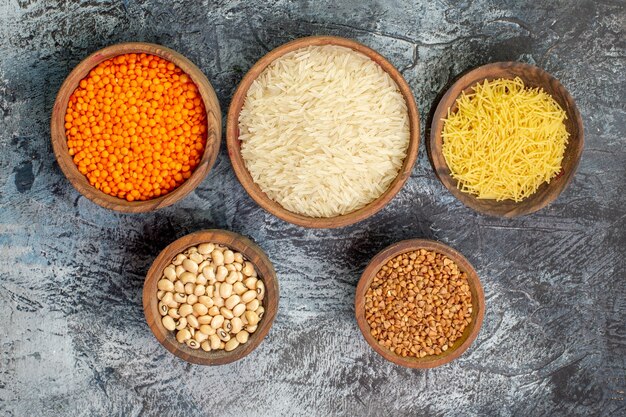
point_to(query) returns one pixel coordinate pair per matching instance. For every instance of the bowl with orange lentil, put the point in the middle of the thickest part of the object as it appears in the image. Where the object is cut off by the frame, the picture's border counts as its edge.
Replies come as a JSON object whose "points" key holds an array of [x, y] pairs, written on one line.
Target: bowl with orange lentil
{"points": [[136, 127], [419, 303]]}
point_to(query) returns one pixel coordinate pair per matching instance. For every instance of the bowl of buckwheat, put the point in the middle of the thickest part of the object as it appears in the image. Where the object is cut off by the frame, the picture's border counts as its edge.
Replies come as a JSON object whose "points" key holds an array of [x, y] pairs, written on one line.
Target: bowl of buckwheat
{"points": [[419, 303]]}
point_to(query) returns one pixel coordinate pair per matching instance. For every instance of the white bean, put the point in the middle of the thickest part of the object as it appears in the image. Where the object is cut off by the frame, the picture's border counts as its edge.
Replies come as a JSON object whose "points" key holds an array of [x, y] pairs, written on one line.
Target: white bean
{"points": [[253, 305], [236, 325], [248, 296], [196, 257], [211, 296], [248, 269], [163, 309], [185, 310], [218, 301], [200, 309], [192, 299], [260, 290], [205, 248], [165, 285], [178, 259], [188, 277], [168, 323], [242, 336], [192, 343], [215, 341], [229, 257], [173, 304], [201, 279], [193, 321], [223, 335], [209, 272], [173, 313], [168, 297], [218, 257], [227, 326], [226, 290], [217, 321], [250, 283], [231, 345], [252, 318], [228, 314], [232, 277], [190, 266], [200, 337], [170, 272], [206, 329], [232, 301], [183, 335], [239, 309], [181, 323], [239, 288], [207, 301], [210, 290], [221, 273], [199, 290]]}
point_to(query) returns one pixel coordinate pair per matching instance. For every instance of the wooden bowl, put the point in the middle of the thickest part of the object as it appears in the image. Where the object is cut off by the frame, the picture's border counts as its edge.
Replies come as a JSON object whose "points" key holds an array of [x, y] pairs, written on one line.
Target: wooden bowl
{"points": [[59, 140], [478, 303], [250, 251], [234, 144], [532, 77]]}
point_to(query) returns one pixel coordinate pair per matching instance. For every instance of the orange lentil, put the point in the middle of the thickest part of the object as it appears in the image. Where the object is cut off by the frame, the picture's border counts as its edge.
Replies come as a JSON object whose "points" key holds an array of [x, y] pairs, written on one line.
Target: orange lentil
{"points": [[136, 126]]}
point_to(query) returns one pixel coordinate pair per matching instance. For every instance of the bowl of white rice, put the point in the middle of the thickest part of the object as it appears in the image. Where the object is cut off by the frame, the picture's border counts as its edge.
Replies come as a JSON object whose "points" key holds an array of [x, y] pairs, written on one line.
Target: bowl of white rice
{"points": [[323, 132]]}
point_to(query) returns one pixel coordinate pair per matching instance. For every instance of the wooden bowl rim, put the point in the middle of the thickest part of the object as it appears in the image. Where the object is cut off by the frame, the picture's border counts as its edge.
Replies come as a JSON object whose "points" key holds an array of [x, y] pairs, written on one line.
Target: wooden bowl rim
{"points": [[265, 270], [478, 301], [448, 100], [234, 149], [59, 139]]}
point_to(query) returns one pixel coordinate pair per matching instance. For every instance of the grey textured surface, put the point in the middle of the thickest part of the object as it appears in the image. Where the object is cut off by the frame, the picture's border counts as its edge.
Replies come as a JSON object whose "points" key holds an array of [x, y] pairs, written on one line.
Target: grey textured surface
{"points": [[73, 340]]}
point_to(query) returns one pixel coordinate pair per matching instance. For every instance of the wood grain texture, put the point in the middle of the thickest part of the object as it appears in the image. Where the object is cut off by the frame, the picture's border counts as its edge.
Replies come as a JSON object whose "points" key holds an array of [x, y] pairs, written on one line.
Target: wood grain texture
{"points": [[265, 270], [478, 303], [59, 140], [533, 77], [234, 144]]}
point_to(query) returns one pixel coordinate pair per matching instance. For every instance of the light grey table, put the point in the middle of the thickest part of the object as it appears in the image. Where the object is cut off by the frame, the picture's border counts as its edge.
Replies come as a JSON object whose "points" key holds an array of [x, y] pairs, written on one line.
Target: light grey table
{"points": [[73, 340]]}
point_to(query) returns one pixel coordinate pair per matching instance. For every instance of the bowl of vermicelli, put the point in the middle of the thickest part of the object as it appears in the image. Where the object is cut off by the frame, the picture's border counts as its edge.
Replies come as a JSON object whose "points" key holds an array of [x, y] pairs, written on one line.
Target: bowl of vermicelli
{"points": [[506, 139]]}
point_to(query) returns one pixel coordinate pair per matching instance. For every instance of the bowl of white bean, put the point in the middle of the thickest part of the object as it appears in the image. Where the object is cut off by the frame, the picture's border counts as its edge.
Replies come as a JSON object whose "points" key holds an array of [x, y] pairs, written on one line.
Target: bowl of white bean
{"points": [[211, 297]]}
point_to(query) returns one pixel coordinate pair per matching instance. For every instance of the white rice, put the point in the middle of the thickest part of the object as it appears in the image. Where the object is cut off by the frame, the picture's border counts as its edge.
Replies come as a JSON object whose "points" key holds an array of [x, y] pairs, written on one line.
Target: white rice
{"points": [[324, 131]]}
